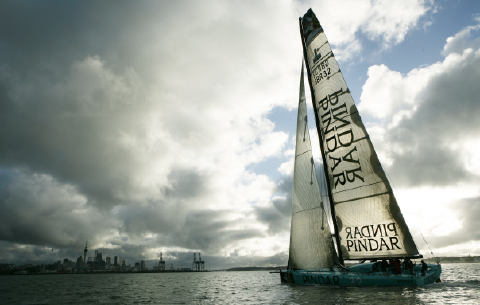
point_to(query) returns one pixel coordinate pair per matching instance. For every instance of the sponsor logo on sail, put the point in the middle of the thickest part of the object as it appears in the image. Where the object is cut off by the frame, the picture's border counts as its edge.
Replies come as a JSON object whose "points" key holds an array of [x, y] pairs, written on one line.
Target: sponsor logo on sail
{"points": [[318, 55], [344, 162], [372, 238]]}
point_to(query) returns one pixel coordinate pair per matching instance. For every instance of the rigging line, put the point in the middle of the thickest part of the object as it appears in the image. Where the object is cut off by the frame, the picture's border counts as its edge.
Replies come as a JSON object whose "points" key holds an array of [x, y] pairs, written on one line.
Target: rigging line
{"points": [[426, 243], [390, 180], [388, 176]]}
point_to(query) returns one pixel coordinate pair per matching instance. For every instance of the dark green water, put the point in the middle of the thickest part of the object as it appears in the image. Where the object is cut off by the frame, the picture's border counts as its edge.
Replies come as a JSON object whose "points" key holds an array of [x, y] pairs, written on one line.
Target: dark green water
{"points": [[460, 285]]}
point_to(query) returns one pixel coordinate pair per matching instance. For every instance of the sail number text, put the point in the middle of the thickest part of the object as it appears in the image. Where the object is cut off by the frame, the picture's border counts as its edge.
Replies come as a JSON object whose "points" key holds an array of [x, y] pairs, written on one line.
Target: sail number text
{"points": [[321, 71]]}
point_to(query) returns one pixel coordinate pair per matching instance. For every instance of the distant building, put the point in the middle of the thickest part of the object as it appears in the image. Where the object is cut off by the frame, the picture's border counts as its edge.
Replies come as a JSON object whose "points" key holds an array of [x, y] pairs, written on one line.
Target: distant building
{"points": [[58, 265], [85, 253], [79, 263], [98, 261], [161, 263], [109, 260], [98, 256], [143, 265], [116, 261]]}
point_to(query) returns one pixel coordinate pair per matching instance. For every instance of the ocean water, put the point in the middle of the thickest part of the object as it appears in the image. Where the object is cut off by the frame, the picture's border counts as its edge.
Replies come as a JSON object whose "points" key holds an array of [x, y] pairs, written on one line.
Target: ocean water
{"points": [[460, 285]]}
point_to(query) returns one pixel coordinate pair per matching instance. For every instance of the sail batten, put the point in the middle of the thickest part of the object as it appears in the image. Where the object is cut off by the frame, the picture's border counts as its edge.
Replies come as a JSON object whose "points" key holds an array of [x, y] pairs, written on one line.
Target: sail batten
{"points": [[370, 196], [367, 218]]}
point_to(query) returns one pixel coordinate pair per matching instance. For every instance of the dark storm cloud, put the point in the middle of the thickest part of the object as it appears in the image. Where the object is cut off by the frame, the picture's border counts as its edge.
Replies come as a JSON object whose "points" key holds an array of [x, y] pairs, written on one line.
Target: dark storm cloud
{"points": [[447, 115], [63, 133], [210, 230], [22, 254], [63, 107], [185, 183], [217, 262], [39, 34], [177, 221], [39, 211], [235, 260], [277, 215], [192, 229]]}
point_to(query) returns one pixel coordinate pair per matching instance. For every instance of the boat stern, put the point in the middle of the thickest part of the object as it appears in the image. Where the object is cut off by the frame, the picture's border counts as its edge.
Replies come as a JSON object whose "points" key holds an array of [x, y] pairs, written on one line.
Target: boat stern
{"points": [[432, 275]]}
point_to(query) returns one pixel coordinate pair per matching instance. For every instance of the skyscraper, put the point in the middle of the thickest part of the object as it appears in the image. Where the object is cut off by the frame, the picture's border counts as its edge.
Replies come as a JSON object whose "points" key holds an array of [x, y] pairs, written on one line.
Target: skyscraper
{"points": [[79, 263], [85, 252]]}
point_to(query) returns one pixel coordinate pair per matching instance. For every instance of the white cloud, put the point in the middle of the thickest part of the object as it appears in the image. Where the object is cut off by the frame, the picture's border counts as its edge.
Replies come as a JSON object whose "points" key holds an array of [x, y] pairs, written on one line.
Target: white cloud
{"points": [[385, 21], [461, 41], [391, 20], [427, 138]]}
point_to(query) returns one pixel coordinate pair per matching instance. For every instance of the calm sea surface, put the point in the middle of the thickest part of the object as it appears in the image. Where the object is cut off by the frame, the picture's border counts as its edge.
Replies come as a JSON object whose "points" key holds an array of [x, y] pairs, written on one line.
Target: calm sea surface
{"points": [[460, 285]]}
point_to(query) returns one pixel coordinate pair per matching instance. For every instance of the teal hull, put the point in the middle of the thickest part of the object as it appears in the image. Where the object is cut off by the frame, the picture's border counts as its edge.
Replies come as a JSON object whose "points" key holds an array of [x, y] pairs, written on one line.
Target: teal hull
{"points": [[343, 277]]}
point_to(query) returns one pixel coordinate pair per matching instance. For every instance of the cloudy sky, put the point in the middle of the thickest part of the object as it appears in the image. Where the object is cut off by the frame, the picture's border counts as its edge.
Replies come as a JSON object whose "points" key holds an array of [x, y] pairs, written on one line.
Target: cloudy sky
{"points": [[168, 126]]}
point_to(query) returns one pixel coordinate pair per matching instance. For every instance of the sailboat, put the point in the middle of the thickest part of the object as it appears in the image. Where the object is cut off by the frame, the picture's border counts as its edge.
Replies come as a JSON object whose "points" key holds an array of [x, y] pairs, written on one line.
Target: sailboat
{"points": [[358, 219]]}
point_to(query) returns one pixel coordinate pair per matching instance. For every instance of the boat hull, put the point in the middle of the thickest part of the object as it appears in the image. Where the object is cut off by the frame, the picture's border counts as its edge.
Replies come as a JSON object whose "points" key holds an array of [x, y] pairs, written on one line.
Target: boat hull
{"points": [[345, 278]]}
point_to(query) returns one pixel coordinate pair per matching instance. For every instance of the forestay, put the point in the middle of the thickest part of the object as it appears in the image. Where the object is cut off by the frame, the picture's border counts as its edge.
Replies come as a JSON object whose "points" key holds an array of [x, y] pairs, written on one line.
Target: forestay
{"points": [[311, 244], [369, 220]]}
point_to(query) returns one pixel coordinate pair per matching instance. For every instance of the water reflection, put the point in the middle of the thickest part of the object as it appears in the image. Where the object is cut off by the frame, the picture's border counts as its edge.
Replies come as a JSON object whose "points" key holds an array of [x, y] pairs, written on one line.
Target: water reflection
{"points": [[460, 285]]}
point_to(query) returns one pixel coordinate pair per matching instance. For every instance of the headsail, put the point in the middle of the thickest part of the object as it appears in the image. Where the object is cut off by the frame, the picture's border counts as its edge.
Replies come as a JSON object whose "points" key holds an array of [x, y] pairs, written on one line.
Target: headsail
{"points": [[311, 244], [370, 224]]}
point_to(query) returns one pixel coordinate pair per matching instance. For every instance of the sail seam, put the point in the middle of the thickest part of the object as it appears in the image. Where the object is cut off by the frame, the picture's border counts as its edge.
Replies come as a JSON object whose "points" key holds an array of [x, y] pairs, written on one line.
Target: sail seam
{"points": [[302, 153], [358, 198], [339, 71], [307, 210], [358, 187]]}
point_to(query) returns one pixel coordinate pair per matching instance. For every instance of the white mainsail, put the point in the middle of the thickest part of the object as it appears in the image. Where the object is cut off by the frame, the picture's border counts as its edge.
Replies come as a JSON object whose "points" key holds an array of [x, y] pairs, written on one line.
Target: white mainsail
{"points": [[370, 224], [311, 244]]}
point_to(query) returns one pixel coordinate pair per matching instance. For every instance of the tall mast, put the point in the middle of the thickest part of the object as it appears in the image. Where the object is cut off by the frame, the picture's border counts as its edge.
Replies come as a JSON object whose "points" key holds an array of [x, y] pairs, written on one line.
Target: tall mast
{"points": [[319, 132]]}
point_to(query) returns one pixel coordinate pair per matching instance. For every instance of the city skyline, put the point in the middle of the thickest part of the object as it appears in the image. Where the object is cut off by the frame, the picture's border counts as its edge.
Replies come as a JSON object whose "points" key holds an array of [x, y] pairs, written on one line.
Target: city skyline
{"points": [[97, 262], [169, 126]]}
